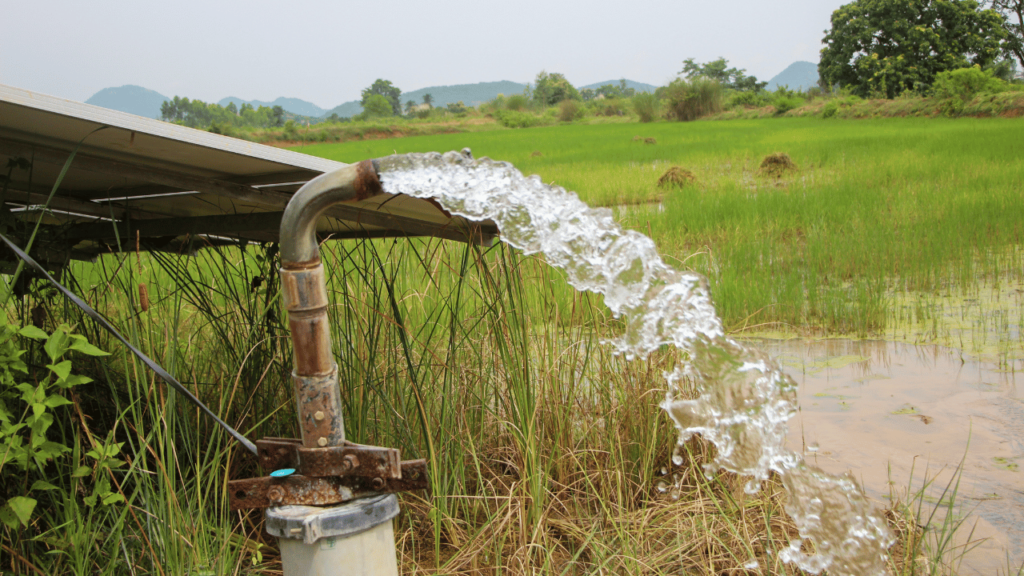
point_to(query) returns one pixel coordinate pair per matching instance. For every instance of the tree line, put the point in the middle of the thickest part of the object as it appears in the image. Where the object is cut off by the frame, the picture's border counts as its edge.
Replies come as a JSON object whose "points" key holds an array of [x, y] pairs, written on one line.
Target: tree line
{"points": [[199, 114]]}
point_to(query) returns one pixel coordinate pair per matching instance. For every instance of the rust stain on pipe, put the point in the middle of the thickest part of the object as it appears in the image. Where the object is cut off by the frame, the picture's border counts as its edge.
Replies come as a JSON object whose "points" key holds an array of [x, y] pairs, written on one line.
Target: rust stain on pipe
{"points": [[367, 182]]}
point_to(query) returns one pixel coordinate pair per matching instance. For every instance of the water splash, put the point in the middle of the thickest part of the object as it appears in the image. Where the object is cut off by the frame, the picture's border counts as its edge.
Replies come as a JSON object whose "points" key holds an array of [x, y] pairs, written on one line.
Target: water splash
{"points": [[744, 400]]}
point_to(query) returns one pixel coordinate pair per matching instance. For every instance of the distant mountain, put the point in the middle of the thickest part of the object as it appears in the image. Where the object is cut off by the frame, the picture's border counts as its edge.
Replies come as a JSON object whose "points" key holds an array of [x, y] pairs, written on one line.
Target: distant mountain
{"points": [[468, 94], [293, 105], [347, 110], [798, 76], [638, 86], [131, 99]]}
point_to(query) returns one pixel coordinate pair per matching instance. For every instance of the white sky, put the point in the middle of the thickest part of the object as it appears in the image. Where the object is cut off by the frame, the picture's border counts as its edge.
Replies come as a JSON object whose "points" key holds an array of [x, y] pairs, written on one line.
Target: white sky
{"points": [[326, 52]]}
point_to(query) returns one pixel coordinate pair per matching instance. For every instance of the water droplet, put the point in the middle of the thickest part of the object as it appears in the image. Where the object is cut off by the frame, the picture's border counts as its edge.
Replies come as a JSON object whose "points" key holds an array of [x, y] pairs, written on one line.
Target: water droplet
{"points": [[664, 471], [662, 487], [813, 447]]}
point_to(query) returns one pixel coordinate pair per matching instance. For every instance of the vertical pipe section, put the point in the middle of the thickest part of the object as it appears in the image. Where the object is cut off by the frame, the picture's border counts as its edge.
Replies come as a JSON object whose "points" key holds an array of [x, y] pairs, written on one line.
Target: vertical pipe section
{"points": [[304, 289]]}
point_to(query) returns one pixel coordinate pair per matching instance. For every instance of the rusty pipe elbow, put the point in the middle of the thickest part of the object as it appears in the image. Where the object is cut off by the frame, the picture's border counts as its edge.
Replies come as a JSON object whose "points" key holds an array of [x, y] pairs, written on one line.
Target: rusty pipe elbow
{"points": [[299, 248]]}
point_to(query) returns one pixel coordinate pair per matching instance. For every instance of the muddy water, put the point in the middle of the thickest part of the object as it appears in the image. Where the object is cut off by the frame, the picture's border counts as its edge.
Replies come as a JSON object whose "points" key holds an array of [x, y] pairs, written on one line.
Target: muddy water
{"points": [[893, 413]]}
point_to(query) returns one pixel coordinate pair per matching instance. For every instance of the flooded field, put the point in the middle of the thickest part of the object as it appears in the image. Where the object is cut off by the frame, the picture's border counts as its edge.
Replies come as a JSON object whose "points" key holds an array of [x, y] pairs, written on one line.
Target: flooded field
{"points": [[897, 415]]}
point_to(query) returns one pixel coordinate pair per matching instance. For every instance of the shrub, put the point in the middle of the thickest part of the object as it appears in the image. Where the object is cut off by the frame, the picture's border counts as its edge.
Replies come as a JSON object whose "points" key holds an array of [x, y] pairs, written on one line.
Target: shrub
{"points": [[290, 131], [516, 119], [750, 99], [830, 109], [694, 98], [646, 106], [516, 102], [498, 103], [784, 104], [457, 108], [966, 82], [958, 87], [569, 110]]}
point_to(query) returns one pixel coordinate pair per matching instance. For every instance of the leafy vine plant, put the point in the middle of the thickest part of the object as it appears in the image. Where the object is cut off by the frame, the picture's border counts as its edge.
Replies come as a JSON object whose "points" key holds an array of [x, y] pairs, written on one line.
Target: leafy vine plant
{"points": [[27, 412]]}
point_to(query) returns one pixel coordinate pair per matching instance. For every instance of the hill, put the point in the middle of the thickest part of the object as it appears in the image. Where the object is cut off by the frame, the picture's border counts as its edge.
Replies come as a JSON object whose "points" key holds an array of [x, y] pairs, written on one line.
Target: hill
{"points": [[293, 105], [638, 86], [798, 76], [468, 94], [131, 99]]}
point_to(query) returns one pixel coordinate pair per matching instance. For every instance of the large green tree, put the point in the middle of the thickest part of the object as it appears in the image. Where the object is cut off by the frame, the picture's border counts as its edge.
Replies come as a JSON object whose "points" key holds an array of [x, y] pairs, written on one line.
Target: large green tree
{"points": [[1013, 11], [386, 89], [550, 89], [884, 47], [375, 105]]}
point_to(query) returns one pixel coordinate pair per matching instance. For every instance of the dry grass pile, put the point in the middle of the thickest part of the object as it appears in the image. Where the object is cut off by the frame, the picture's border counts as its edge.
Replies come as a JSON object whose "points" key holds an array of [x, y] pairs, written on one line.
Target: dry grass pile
{"points": [[650, 141], [676, 177], [777, 165]]}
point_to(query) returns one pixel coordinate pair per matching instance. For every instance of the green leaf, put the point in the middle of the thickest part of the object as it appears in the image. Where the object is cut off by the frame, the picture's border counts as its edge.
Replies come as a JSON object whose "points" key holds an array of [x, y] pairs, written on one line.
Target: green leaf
{"points": [[55, 401], [61, 369], [112, 498], [81, 472], [81, 345], [51, 450], [33, 332], [74, 380], [56, 345], [8, 517], [22, 506], [43, 485]]}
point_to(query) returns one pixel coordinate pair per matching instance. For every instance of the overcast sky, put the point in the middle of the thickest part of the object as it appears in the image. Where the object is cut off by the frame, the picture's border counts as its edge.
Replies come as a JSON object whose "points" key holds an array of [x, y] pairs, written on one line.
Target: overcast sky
{"points": [[326, 52]]}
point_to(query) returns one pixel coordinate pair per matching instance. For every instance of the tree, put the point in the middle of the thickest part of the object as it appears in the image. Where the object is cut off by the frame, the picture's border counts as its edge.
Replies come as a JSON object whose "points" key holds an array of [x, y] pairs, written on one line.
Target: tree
{"points": [[731, 78], [428, 100], [884, 47], [278, 114], [232, 108], [376, 105], [553, 88], [386, 89], [409, 105], [1013, 12]]}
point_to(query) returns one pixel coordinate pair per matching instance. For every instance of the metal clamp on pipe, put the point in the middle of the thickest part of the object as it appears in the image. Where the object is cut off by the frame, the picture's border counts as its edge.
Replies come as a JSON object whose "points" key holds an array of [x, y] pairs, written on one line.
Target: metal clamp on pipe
{"points": [[323, 469]]}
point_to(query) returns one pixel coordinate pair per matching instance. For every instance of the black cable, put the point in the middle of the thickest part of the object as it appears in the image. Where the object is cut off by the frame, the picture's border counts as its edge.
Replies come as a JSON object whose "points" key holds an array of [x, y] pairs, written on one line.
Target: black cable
{"points": [[145, 359]]}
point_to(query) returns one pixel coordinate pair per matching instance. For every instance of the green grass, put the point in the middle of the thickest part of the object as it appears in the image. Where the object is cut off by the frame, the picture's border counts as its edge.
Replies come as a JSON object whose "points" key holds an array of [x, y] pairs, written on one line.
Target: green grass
{"points": [[877, 208]]}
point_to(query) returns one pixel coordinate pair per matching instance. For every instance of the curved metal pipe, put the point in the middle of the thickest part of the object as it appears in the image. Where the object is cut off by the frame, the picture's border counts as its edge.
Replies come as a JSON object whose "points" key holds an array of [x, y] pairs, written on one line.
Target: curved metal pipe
{"points": [[304, 289], [352, 183]]}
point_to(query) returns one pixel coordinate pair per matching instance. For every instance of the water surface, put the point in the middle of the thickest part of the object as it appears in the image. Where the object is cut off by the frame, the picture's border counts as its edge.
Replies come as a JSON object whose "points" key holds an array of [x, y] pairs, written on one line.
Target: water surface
{"points": [[884, 410]]}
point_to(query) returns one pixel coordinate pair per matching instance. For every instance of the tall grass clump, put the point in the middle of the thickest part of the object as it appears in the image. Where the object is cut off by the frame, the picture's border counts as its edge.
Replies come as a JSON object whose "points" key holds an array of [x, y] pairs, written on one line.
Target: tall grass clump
{"points": [[646, 106], [694, 98], [569, 110], [546, 452]]}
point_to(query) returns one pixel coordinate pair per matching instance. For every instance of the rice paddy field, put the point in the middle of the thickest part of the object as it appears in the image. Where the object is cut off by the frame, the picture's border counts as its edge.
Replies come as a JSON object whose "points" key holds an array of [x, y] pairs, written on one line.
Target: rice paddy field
{"points": [[890, 227], [546, 453]]}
